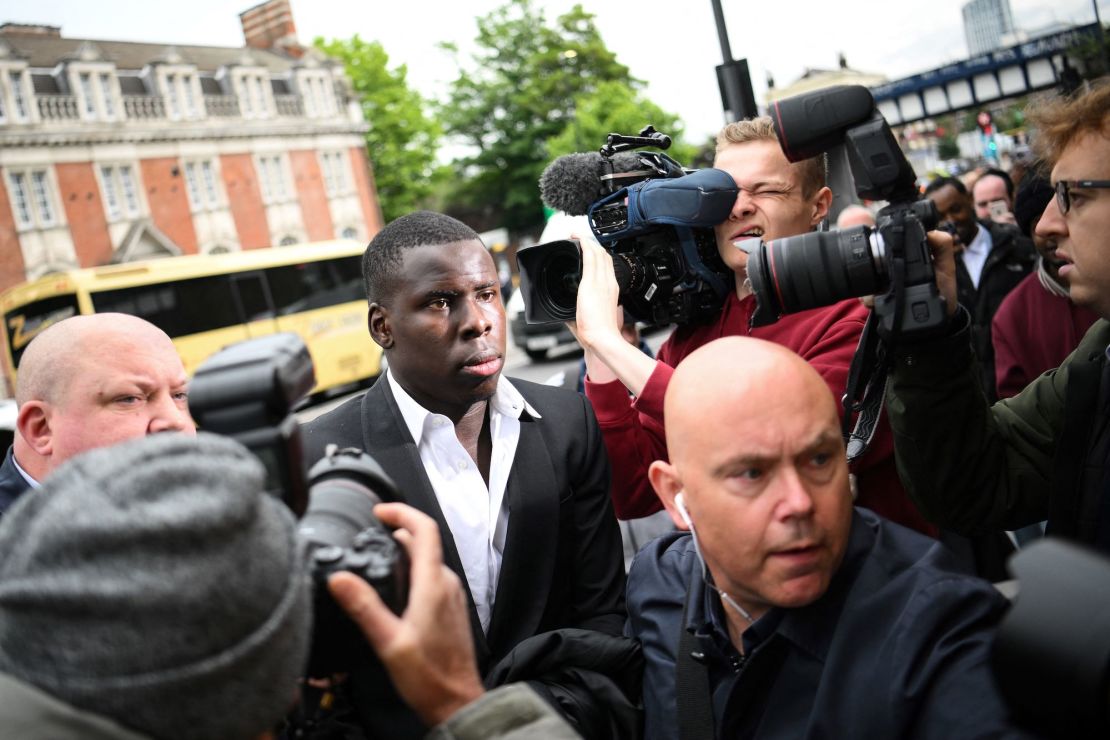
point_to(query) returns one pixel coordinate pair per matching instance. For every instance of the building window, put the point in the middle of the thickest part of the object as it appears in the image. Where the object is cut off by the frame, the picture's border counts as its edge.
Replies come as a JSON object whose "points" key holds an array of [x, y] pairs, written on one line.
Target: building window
{"points": [[171, 96], [334, 165], [349, 233], [32, 198], [190, 98], [252, 95], [287, 241], [87, 94], [120, 195], [106, 95], [200, 181], [19, 112], [271, 175]]}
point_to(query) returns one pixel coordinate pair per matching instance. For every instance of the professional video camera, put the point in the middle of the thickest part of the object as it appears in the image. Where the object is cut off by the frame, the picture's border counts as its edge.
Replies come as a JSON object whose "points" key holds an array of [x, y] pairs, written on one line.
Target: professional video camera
{"points": [[655, 220], [891, 261], [247, 392]]}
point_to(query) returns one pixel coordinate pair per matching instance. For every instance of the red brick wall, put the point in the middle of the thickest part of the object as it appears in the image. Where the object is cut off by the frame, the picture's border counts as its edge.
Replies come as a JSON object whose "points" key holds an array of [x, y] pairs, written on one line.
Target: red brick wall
{"points": [[245, 200], [12, 268], [312, 196], [164, 180], [367, 193], [85, 212]]}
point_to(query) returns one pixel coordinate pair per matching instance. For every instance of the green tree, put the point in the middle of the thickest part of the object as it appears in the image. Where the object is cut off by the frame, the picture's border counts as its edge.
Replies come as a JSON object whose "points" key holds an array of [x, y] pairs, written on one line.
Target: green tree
{"points": [[615, 107], [403, 135], [520, 91]]}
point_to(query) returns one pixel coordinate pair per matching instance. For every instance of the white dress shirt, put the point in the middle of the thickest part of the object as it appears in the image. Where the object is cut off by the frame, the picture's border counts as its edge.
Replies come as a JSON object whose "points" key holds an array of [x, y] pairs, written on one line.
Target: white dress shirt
{"points": [[975, 254], [477, 515]]}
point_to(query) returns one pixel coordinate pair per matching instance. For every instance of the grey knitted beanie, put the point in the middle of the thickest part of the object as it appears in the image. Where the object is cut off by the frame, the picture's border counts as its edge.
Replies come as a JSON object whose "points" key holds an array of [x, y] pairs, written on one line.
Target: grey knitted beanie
{"points": [[154, 583]]}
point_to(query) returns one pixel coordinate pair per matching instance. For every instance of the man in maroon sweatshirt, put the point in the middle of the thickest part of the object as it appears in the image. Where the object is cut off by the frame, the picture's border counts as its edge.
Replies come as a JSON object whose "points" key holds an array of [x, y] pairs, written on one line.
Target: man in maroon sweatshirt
{"points": [[776, 199]]}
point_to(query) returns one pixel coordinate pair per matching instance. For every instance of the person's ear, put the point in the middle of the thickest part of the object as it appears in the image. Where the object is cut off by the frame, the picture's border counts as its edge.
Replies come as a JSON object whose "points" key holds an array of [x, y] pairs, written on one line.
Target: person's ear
{"points": [[664, 479], [33, 425], [381, 330], [821, 204]]}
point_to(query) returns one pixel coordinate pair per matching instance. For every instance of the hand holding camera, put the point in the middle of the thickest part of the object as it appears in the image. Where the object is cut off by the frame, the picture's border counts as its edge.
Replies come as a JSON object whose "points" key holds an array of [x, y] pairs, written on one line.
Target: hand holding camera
{"points": [[427, 651]]}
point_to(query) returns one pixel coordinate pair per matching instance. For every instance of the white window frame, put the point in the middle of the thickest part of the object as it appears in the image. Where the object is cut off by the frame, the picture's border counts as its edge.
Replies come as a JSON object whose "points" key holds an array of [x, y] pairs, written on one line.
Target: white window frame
{"points": [[316, 93], [252, 86], [16, 82], [97, 91], [33, 196], [120, 201], [273, 178], [336, 171], [202, 184]]}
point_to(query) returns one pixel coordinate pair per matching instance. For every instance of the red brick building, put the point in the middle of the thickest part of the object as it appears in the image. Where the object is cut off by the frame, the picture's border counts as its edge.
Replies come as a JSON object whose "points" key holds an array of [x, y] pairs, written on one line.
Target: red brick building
{"points": [[113, 151]]}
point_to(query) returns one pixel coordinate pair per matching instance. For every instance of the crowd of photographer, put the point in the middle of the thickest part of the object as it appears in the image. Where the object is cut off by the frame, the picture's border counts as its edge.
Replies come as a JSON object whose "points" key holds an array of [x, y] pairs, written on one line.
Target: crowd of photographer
{"points": [[825, 575]]}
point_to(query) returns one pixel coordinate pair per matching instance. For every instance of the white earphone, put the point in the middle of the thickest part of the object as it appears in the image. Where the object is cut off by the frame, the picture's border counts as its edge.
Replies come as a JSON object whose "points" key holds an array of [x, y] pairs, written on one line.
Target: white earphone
{"points": [[681, 506]]}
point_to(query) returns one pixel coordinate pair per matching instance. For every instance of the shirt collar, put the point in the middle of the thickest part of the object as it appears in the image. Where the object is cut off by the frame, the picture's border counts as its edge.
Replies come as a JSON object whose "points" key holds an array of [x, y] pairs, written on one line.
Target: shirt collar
{"points": [[982, 242], [26, 476], [506, 401]]}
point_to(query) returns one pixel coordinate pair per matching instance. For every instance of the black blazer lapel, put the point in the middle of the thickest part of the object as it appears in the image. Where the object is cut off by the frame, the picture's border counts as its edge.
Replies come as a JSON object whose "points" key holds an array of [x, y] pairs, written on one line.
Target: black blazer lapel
{"points": [[387, 439], [527, 565]]}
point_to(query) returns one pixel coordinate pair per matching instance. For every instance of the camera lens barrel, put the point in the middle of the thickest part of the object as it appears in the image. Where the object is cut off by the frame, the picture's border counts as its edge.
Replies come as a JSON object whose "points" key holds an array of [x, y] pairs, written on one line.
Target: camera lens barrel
{"points": [[815, 269]]}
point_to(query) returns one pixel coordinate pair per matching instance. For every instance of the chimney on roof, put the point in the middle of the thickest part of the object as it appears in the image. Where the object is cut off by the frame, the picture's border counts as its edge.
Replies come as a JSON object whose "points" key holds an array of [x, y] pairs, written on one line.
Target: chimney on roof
{"points": [[30, 29], [270, 26]]}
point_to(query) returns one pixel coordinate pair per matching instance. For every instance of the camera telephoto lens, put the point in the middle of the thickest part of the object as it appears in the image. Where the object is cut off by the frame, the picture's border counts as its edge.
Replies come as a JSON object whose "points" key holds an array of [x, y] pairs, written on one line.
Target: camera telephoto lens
{"points": [[812, 270]]}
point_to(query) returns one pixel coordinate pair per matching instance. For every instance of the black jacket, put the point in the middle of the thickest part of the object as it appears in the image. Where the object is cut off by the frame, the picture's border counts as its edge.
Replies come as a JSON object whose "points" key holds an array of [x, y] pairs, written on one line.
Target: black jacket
{"points": [[12, 484], [563, 565], [898, 646], [1011, 258]]}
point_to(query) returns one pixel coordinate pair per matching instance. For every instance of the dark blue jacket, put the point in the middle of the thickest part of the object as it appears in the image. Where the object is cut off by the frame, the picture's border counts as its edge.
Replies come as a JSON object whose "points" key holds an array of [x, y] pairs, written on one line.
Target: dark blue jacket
{"points": [[898, 647], [12, 484]]}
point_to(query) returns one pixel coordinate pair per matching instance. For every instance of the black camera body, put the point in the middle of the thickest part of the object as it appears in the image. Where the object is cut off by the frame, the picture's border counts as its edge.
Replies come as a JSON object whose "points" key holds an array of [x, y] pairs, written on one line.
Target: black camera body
{"points": [[891, 261], [247, 392], [651, 216]]}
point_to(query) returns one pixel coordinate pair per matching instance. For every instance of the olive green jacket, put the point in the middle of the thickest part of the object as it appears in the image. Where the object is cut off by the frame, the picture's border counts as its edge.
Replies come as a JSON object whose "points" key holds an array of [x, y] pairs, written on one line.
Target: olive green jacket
{"points": [[975, 468]]}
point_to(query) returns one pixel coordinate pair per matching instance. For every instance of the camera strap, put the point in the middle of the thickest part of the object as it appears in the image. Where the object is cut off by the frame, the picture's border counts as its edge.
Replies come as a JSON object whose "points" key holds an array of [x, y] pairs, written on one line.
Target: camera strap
{"points": [[863, 396]]}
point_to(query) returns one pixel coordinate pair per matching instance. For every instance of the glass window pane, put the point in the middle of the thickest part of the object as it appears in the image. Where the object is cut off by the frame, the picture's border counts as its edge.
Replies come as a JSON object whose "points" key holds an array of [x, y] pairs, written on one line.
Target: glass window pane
{"points": [[111, 200], [21, 198], [210, 184], [106, 94], [193, 185], [17, 95], [130, 197], [42, 198], [87, 93]]}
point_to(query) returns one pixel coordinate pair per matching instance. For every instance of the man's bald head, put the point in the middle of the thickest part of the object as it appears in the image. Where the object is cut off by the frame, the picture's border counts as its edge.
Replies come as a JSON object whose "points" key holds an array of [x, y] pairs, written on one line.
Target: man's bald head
{"points": [[757, 459], [92, 381], [723, 380], [59, 352]]}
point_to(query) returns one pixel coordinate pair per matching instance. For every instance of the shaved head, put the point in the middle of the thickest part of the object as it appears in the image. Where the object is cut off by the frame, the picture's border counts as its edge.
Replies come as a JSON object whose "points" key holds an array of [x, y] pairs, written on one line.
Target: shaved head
{"points": [[93, 381], [758, 461], [722, 379], [53, 358]]}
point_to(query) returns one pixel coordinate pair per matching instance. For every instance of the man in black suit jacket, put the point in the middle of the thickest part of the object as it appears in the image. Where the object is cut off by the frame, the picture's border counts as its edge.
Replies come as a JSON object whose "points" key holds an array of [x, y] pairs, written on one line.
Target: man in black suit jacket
{"points": [[515, 474]]}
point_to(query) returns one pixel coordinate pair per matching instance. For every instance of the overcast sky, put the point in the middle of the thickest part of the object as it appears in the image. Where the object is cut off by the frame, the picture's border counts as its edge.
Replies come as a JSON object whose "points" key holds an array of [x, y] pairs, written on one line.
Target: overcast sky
{"points": [[671, 44]]}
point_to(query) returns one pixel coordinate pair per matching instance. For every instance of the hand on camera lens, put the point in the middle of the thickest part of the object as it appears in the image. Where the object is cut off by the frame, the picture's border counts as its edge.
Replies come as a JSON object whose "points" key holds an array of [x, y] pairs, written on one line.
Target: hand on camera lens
{"points": [[599, 316], [944, 264], [428, 651]]}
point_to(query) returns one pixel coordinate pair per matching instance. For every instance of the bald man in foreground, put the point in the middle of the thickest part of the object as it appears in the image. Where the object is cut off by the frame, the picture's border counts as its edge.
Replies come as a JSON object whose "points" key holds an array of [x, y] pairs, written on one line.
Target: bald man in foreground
{"points": [[790, 613], [91, 381]]}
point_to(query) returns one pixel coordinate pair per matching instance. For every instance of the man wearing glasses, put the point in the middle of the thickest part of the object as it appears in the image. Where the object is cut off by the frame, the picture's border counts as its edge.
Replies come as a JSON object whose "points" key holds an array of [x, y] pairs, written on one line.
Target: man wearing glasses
{"points": [[1045, 453]]}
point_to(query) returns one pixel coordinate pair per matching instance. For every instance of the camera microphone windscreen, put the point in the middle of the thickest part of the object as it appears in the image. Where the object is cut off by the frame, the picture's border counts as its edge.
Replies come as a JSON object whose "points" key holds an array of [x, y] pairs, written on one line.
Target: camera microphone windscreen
{"points": [[572, 183]]}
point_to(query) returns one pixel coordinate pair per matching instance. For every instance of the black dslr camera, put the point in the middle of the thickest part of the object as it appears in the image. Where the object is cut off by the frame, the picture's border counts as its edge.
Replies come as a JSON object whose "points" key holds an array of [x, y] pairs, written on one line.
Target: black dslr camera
{"points": [[653, 218], [247, 392], [891, 261]]}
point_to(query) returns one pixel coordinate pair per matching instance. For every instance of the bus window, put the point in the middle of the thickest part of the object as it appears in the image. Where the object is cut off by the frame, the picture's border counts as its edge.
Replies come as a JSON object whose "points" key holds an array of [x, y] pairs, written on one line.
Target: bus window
{"points": [[253, 297], [26, 322], [179, 309], [312, 285]]}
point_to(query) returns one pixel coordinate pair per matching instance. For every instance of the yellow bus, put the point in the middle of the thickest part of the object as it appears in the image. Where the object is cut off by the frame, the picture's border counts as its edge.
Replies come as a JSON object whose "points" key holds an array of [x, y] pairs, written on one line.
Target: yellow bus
{"points": [[206, 302]]}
